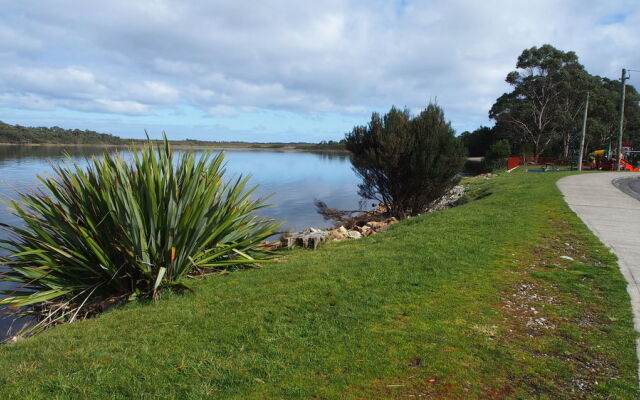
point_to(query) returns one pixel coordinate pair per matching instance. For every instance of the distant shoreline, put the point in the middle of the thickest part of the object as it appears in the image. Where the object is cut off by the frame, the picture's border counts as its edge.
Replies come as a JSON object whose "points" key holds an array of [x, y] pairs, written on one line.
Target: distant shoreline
{"points": [[180, 145], [16, 135]]}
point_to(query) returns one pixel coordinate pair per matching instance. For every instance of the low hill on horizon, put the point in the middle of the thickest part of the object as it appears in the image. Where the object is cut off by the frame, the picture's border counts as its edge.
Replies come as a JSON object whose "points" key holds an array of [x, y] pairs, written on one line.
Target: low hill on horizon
{"points": [[18, 134]]}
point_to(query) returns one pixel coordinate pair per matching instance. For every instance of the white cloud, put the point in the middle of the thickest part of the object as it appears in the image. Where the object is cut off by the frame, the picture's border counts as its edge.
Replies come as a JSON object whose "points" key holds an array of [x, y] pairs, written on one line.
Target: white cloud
{"points": [[222, 111], [119, 107], [63, 82], [151, 92], [14, 40], [226, 58]]}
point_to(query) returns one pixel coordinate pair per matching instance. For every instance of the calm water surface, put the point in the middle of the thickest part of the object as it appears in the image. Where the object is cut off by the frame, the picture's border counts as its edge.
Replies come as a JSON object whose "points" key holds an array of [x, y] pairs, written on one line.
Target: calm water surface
{"points": [[294, 179]]}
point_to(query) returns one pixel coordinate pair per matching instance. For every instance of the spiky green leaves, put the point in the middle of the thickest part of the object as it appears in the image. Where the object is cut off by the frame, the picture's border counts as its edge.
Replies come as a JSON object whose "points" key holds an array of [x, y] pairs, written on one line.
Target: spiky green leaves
{"points": [[123, 227]]}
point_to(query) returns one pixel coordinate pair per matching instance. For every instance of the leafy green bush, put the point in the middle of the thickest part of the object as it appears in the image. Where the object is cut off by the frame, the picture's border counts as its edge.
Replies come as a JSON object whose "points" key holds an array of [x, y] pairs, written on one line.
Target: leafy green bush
{"points": [[496, 157], [121, 229], [406, 163]]}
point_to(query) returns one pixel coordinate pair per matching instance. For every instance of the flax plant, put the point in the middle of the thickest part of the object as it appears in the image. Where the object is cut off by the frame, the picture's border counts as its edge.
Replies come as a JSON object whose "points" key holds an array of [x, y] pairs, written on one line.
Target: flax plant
{"points": [[120, 229]]}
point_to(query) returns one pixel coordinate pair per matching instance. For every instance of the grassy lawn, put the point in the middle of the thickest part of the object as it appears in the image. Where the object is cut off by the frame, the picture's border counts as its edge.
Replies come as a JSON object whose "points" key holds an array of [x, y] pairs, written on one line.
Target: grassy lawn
{"points": [[471, 302]]}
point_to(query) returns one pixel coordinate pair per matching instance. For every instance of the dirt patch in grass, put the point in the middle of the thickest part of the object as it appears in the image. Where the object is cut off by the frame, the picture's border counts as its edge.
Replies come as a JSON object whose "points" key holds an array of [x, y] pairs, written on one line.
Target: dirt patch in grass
{"points": [[554, 325], [418, 387]]}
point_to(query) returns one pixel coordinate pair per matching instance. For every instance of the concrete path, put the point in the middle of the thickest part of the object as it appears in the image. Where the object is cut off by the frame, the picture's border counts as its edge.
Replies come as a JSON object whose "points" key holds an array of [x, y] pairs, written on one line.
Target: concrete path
{"points": [[614, 217]]}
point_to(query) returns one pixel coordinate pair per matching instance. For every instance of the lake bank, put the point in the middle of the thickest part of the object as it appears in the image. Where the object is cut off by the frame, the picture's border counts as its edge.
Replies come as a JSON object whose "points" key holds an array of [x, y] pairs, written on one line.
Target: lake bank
{"points": [[470, 302]]}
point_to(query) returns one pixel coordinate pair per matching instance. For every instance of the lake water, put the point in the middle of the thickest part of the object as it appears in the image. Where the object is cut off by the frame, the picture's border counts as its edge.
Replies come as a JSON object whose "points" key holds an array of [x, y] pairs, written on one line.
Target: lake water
{"points": [[295, 180]]}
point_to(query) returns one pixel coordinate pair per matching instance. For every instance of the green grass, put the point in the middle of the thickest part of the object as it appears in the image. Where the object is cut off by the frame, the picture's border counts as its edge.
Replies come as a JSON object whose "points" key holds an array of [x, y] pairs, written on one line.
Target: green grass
{"points": [[440, 306]]}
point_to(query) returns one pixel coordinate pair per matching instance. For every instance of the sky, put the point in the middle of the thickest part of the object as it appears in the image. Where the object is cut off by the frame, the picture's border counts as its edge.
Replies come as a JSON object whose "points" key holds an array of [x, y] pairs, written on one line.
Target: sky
{"points": [[284, 70]]}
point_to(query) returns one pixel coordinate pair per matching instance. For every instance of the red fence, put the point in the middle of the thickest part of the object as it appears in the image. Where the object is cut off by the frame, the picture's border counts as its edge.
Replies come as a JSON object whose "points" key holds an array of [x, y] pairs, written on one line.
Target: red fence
{"points": [[513, 162]]}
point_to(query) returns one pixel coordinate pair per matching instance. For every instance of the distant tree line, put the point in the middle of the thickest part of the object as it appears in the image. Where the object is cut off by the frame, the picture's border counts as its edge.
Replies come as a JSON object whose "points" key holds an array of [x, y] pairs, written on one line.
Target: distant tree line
{"points": [[41, 135], [543, 113], [331, 145], [17, 134]]}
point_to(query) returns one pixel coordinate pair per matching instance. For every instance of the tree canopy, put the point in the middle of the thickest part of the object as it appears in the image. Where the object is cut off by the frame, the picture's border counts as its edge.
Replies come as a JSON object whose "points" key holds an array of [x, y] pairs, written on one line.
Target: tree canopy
{"points": [[544, 109], [478, 141]]}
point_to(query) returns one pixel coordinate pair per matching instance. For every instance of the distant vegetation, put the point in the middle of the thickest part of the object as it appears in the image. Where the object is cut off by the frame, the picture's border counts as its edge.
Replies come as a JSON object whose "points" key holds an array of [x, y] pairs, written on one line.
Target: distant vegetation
{"points": [[544, 110], [41, 135], [331, 145], [17, 134], [542, 114], [324, 145]]}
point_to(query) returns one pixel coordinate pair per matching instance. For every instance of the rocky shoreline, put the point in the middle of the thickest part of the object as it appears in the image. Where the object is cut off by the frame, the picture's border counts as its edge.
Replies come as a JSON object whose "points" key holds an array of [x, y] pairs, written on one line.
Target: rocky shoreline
{"points": [[366, 225]]}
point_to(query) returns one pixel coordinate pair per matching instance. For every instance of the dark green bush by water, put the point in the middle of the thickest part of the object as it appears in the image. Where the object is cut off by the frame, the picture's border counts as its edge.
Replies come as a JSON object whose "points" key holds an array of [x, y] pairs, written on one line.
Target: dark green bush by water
{"points": [[119, 230], [406, 162]]}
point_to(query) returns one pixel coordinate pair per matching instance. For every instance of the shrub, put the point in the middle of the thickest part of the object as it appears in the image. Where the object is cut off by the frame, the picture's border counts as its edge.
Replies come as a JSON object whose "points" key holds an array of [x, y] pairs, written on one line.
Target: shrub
{"points": [[406, 163], [123, 229], [478, 142], [497, 155]]}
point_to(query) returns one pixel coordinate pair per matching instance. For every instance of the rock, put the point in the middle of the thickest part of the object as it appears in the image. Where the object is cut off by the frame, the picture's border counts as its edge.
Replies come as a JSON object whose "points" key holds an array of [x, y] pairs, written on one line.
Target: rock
{"points": [[288, 241], [314, 230], [365, 230], [315, 238], [354, 235], [449, 199], [375, 225], [566, 258], [342, 230], [305, 239], [336, 236], [13, 339], [488, 175]]}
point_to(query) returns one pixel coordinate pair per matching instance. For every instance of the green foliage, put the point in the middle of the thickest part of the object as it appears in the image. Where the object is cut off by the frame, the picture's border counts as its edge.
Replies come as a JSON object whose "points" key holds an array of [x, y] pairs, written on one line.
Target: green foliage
{"points": [[498, 150], [123, 228], [497, 155], [544, 109], [604, 114], [405, 162], [478, 141], [546, 97], [329, 145], [32, 135]]}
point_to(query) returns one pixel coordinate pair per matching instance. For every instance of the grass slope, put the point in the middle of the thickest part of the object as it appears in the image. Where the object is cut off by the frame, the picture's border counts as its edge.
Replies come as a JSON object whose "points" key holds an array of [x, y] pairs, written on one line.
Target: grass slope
{"points": [[472, 302]]}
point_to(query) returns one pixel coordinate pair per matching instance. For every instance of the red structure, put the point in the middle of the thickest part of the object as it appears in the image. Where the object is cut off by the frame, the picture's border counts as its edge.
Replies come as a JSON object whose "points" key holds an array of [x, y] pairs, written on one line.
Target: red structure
{"points": [[512, 162], [601, 163]]}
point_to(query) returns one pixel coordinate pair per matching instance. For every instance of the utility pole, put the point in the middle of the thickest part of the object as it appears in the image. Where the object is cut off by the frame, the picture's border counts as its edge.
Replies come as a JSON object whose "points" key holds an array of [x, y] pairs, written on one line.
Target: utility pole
{"points": [[584, 132], [623, 78]]}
